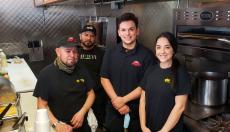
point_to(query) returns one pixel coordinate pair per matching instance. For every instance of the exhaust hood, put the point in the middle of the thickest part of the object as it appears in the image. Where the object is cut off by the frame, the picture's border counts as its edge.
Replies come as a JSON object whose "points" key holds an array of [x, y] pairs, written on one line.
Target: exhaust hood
{"points": [[46, 2]]}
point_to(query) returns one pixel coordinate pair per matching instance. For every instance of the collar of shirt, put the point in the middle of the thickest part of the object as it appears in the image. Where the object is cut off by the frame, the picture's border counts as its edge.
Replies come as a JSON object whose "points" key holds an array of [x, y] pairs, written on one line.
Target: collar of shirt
{"points": [[126, 51]]}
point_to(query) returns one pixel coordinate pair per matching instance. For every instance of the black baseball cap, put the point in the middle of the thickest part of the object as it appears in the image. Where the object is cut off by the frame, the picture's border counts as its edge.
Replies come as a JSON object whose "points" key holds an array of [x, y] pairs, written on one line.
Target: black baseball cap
{"points": [[90, 28], [67, 41]]}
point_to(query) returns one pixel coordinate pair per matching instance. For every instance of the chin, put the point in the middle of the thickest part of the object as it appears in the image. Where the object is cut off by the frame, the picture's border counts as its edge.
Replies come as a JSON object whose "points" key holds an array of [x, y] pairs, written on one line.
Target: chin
{"points": [[163, 60]]}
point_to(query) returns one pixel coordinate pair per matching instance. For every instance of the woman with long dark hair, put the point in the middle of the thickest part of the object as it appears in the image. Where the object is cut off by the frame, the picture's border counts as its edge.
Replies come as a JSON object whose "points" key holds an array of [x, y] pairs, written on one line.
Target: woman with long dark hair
{"points": [[165, 89]]}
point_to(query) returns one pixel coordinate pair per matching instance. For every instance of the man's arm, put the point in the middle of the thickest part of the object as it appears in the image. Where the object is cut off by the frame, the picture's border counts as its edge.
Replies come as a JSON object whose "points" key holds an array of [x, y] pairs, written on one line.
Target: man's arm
{"points": [[118, 102], [107, 85], [60, 127], [78, 118]]}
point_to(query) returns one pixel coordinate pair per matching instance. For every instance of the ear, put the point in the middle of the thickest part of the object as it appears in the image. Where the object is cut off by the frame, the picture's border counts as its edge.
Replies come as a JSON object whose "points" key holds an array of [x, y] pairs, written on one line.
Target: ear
{"points": [[57, 50], [138, 31], [80, 36], [118, 32]]}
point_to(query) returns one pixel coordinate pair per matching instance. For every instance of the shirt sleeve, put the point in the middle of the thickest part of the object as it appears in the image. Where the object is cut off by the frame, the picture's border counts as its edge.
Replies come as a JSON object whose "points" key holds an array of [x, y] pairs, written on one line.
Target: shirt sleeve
{"points": [[41, 88], [145, 78], [184, 82], [105, 65]]}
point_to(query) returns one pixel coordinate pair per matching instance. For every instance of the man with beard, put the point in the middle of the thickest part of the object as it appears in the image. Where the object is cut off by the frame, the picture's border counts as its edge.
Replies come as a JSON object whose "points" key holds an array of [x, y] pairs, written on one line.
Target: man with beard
{"points": [[91, 56], [64, 88]]}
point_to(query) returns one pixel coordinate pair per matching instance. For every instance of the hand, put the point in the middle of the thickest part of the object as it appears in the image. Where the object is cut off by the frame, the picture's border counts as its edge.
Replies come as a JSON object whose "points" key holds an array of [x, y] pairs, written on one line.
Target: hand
{"points": [[124, 110], [78, 119], [118, 102], [146, 129], [62, 127]]}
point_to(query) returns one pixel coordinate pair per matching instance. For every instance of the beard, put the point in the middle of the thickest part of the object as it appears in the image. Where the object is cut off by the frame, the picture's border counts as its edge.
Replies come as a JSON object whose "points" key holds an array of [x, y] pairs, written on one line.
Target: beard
{"points": [[88, 44]]}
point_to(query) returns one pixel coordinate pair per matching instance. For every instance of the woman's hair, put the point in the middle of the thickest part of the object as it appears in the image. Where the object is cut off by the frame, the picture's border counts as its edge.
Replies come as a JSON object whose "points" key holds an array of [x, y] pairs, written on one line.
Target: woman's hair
{"points": [[175, 63]]}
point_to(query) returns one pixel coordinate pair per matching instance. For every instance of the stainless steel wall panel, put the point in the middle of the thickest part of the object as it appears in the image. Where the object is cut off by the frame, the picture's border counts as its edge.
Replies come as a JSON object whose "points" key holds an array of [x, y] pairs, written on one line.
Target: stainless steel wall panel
{"points": [[154, 18], [21, 21]]}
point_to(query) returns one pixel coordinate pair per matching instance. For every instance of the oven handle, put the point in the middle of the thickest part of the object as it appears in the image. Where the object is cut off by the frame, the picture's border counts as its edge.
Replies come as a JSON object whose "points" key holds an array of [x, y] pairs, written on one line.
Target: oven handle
{"points": [[204, 37]]}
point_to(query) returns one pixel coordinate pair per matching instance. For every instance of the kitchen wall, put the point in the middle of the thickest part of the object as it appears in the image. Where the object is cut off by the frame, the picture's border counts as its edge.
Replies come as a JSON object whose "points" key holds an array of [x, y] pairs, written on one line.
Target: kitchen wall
{"points": [[154, 18], [21, 21]]}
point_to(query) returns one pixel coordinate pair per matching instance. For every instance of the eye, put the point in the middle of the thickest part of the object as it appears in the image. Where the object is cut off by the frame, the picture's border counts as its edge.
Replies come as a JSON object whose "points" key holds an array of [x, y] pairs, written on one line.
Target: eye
{"points": [[158, 47], [86, 34], [68, 51], [122, 30], [168, 47], [131, 29]]}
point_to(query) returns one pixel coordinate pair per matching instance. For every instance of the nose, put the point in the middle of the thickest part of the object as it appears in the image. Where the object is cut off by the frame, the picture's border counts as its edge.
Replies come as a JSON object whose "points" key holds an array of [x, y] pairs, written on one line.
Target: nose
{"points": [[162, 50], [127, 32]]}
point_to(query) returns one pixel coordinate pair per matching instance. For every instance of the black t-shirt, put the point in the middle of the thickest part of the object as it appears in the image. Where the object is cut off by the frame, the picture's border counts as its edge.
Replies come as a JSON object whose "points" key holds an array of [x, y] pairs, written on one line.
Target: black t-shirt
{"points": [[126, 69], [65, 93], [160, 95], [92, 59]]}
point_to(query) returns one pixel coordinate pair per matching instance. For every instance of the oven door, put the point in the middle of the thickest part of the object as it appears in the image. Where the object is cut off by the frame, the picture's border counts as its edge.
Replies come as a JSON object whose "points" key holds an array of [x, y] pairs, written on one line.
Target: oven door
{"points": [[204, 41]]}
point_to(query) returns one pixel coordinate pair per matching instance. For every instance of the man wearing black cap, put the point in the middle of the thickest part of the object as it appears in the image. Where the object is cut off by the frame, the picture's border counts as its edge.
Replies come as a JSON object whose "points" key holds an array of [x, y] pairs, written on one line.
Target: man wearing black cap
{"points": [[64, 88], [91, 56]]}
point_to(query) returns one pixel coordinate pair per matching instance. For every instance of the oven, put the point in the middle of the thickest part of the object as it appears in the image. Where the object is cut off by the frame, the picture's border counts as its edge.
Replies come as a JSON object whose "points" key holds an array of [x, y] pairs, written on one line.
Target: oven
{"points": [[204, 33], [203, 36]]}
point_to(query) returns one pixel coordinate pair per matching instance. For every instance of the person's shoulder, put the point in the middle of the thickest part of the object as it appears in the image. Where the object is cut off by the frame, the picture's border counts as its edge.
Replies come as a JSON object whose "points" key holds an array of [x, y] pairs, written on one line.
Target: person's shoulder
{"points": [[152, 67], [100, 50], [113, 48], [48, 68], [182, 68], [144, 49]]}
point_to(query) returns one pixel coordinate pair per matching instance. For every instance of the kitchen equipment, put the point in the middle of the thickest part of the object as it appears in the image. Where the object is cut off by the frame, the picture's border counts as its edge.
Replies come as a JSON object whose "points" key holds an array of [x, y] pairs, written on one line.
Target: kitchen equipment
{"points": [[4, 112], [7, 92], [8, 99], [35, 48], [203, 37], [20, 121], [211, 89], [203, 45]]}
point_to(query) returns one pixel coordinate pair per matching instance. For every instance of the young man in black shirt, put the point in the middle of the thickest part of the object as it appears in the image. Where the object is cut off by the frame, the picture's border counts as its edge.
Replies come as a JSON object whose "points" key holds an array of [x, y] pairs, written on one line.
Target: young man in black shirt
{"points": [[64, 88], [122, 69]]}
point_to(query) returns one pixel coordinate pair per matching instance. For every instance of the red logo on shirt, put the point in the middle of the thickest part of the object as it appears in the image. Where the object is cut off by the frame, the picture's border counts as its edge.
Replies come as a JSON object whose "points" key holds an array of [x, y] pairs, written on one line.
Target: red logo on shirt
{"points": [[136, 64]]}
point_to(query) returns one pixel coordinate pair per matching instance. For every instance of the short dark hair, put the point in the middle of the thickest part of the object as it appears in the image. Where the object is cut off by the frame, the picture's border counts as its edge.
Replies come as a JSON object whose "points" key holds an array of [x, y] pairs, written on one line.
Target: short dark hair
{"points": [[127, 17]]}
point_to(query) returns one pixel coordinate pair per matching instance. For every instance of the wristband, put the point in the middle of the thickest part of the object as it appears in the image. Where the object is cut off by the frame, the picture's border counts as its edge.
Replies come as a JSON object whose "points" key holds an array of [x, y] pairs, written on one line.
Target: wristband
{"points": [[54, 125]]}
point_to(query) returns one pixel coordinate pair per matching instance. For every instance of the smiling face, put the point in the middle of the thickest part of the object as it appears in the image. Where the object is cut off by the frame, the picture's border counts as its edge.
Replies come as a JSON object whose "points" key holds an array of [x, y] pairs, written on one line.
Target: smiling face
{"points": [[68, 55], [164, 51], [128, 33]]}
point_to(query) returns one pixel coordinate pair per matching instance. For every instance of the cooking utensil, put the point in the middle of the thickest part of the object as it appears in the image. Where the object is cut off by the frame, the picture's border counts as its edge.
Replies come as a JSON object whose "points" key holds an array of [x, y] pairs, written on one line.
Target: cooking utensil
{"points": [[20, 121], [4, 112], [210, 88]]}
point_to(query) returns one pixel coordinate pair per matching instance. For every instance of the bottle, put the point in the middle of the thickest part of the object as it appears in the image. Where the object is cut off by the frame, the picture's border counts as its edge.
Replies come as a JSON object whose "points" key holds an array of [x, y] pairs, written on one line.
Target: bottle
{"points": [[3, 62]]}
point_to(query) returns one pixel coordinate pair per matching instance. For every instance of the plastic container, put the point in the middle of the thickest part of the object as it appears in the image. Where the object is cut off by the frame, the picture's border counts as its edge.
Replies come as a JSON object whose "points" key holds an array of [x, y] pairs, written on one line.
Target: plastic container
{"points": [[42, 122]]}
